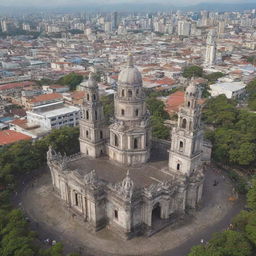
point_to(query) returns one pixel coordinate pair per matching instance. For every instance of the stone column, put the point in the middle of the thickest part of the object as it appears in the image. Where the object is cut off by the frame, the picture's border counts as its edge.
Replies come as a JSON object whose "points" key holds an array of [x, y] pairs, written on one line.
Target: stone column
{"points": [[142, 142]]}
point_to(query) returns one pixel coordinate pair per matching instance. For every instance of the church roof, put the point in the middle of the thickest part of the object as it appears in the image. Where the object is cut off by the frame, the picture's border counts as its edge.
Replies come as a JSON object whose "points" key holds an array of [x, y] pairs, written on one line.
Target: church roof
{"points": [[130, 75], [143, 176]]}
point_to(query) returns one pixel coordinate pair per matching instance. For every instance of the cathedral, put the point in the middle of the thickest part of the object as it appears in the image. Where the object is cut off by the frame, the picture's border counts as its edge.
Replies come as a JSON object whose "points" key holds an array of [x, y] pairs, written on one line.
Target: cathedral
{"points": [[114, 183]]}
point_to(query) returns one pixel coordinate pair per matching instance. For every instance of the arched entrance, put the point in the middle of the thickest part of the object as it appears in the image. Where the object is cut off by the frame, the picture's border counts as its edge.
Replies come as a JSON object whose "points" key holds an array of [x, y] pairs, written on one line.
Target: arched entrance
{"points": [[156, 215]]}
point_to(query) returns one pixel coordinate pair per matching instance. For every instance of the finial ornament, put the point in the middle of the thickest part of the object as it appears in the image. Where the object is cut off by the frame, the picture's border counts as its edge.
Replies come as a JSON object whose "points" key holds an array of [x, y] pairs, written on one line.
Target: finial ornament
{"points": [[91, 76], [130, 60]]}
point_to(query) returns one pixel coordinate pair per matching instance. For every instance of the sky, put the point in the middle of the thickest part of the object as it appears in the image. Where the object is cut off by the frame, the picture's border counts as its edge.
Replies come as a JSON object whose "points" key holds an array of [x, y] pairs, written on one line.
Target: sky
{"points": [[84, 2]]}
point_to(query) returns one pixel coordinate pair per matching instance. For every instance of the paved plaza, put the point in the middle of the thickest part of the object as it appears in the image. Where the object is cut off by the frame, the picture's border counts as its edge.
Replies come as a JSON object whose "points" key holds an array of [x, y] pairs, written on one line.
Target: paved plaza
{"points": [[51, 217]]}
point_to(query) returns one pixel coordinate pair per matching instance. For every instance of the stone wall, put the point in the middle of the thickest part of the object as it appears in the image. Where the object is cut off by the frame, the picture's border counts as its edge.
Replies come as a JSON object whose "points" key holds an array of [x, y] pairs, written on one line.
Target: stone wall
{"points": [[160, 149]]}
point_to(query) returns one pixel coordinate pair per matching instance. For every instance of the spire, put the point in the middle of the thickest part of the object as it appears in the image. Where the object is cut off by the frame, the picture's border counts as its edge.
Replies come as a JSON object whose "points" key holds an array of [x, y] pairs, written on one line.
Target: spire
{"points": [[91, 76], [91, 81], [130, 60], [127, 183]]}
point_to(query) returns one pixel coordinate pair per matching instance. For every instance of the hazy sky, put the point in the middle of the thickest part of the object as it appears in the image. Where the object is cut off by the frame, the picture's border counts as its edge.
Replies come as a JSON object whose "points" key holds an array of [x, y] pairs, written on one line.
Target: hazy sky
{"points": [[78, 2]]}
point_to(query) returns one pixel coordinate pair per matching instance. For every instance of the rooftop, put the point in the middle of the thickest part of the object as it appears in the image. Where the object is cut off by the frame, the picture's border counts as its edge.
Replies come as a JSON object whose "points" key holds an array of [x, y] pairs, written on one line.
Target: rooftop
{"points": [[232, 86], [8, 137], [150, 173], [15, 85], [46, 97], [58, 111]]}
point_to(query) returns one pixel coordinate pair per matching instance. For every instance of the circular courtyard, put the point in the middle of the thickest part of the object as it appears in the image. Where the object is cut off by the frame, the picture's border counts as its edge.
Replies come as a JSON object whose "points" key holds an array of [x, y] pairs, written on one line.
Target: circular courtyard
{"points": [[52, 219]]}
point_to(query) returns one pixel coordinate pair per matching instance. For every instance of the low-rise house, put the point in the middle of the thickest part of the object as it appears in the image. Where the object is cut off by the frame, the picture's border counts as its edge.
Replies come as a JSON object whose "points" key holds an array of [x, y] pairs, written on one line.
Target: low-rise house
{"points": [[55, 88], [42, 99]]}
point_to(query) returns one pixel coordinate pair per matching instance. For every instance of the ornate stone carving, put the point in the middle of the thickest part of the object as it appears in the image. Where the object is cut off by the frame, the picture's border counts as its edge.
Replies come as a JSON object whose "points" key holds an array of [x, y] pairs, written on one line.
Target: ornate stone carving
{"points": [[51, 154], [158, 188], [125, 188], [91, 178], [57, 158]]}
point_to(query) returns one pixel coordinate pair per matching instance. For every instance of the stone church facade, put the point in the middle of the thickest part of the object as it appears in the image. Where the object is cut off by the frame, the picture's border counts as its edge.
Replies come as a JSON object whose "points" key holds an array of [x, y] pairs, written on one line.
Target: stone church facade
{"points": [[113, 183]]}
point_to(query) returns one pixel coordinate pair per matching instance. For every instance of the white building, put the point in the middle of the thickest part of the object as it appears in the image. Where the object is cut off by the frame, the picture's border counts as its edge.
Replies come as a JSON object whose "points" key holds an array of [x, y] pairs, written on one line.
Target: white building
{"points": [[54, 116], [184, 28], [230, 89], [210, 55], [108, 27]]}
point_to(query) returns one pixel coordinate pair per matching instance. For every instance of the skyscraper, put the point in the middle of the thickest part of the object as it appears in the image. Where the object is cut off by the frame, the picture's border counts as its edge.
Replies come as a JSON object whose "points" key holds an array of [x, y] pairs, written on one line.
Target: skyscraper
{"points": [[114, 20], [210, 55], [184, 28]]}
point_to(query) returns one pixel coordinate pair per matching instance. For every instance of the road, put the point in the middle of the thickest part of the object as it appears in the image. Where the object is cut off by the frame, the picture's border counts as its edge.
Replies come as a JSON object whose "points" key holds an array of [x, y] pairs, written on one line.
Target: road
{"points": [[49, 219]]}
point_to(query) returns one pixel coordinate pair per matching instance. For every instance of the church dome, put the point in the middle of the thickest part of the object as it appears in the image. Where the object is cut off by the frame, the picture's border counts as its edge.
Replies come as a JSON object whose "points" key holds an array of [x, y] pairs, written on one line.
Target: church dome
{"points": [[130, 75], [91, 81]]}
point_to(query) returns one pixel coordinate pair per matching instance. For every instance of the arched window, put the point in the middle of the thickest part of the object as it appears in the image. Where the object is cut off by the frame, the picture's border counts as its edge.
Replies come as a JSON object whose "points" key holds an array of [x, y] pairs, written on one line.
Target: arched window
{"points": [[122, 112], [87, 134], [94, 97], [189, 104], [136, 112], [123, 93], [178, 167], [181, 145], [129, 93], [190, 125], [87, 114], [116, 214], [76, 199], [135, 143], [88, 96], [96, 115], [184, 123], [116, 141], [137, 91], [101, 134]]}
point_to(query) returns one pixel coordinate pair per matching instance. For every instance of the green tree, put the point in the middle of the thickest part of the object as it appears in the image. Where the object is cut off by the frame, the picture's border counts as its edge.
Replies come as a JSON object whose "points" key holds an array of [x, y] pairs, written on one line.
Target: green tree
{"points": [[64, 140], [213, 77], [251, 91], [220, 111], [108, 106], [231, 243], [192, 71], [159, 130], [201, 250], [158, 116], [251, 196], [72, 80]]}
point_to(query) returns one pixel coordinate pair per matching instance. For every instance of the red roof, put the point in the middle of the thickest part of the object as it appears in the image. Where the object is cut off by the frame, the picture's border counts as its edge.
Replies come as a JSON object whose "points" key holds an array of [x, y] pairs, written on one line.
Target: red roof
{"points": [[8, 137], [174, 101], [77, 95], [55, 86], [46, 97], [15, 85], [19, 122]]}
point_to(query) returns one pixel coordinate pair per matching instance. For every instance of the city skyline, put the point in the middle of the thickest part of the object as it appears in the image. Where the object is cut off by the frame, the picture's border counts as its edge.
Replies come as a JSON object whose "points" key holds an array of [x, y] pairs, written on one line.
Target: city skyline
{"points": [[41, 3]]}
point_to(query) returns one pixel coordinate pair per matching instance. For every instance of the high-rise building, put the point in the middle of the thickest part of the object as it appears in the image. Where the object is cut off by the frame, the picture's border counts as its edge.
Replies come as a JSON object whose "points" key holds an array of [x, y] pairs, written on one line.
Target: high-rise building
{"points": [[205, 17], [114, 20], [184, 28], [221, 27], [4, 26], [210, 55], [108, 27]]}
